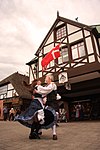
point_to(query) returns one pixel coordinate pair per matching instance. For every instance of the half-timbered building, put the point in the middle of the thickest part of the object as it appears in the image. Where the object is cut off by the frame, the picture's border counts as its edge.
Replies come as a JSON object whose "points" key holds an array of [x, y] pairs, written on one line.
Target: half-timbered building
{"points": [[13, 93], [80, 58]]}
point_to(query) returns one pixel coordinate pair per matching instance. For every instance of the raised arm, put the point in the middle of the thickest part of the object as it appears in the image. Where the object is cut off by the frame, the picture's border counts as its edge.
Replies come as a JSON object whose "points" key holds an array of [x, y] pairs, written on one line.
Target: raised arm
{"points": [[46, 90]]}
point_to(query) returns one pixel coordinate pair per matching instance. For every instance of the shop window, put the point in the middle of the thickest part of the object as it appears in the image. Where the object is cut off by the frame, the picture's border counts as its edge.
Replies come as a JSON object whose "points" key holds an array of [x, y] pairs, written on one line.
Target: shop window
{"points": [[78, 50], [60, 32]]}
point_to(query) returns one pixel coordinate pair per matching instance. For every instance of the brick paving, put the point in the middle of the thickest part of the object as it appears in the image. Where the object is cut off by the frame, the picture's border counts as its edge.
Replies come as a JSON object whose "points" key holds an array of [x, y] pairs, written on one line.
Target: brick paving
{"points": [[71, 136]]}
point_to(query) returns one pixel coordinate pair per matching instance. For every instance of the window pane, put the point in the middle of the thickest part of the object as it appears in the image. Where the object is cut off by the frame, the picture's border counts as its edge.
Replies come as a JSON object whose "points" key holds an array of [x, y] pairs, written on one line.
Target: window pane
{"points": [[64, 56], [81, 50], [74, 53], [61, 32], [3, 89], [78, 50]]}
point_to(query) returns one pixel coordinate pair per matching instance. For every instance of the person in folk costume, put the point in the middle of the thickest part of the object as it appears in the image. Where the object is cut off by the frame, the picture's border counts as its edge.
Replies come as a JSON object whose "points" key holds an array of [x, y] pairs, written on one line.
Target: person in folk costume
{"points": [[33, 117], [39, 119], [51, 93]]}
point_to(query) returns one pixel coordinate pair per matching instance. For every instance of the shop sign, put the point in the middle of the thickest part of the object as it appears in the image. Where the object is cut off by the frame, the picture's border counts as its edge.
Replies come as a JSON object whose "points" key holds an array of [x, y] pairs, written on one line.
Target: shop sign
{"points": [[63, 77]]}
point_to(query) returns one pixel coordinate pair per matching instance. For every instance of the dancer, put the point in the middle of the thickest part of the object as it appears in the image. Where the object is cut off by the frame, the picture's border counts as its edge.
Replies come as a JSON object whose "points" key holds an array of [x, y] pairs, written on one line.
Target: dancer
{"points": [[51, 92], [33, 117]]}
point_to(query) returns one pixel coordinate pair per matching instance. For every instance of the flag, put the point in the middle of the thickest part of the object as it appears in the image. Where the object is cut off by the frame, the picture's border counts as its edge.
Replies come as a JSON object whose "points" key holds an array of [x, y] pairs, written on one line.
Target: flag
{"points": [[53, 54]]}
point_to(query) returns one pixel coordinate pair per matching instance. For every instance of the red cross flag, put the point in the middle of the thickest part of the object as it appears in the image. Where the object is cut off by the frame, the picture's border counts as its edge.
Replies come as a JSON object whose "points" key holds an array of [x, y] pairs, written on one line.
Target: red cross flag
{"points": [[53, 54]]}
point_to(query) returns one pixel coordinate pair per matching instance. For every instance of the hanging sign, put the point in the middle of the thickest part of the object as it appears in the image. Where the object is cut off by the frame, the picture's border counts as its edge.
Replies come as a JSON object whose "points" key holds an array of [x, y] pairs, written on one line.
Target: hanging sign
{"points": [[63, 77]]}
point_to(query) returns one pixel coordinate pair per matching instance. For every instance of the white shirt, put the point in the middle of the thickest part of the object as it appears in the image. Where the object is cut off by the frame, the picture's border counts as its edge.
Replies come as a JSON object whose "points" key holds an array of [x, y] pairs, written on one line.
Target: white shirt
{"points": [[48, 89]]}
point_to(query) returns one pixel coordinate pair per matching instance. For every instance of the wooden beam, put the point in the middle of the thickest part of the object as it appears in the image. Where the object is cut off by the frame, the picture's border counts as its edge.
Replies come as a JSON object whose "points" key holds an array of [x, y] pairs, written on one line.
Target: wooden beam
{"points": [[82, 93]]}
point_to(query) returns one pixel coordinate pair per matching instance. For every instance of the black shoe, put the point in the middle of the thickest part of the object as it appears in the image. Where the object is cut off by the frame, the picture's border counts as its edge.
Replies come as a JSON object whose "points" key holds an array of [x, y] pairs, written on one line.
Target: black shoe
{"points": [[55, 137], [40, 133], [34, 135]]}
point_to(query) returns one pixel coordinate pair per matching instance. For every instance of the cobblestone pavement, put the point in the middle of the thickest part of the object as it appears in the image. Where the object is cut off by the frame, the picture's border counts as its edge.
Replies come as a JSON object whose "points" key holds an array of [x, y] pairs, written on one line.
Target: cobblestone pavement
{"points": [[71, 136]]}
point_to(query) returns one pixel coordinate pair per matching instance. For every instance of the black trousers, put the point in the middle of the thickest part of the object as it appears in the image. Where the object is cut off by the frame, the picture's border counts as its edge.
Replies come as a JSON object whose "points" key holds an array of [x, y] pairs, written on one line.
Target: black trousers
{"points": [[11, 117], [35, 127], [5, 116]]}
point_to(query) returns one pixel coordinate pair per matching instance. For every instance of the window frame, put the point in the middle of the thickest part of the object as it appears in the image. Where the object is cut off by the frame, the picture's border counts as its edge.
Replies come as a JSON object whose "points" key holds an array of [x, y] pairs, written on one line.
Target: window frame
{"points": [[78, 51], [63, 62], [58, 28]]}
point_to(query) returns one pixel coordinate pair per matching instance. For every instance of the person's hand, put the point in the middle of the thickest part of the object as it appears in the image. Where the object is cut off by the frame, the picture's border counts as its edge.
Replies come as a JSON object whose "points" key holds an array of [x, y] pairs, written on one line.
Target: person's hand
{"points": [[32, 97], [35, 91]]}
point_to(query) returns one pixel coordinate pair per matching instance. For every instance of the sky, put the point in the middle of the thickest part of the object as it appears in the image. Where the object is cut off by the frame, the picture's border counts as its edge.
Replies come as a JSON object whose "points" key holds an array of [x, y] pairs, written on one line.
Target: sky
{"points": [[25, 23]]}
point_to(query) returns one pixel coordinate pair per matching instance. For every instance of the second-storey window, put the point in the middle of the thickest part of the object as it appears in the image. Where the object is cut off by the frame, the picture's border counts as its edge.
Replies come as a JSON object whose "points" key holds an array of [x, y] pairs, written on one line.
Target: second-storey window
{"points": [[61, 32], [78, 50], [64, 56]]}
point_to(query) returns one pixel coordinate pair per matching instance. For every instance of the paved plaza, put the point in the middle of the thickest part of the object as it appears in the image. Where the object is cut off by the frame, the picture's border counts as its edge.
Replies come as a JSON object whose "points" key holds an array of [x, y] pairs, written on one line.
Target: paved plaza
{"points": [[71, 136]]}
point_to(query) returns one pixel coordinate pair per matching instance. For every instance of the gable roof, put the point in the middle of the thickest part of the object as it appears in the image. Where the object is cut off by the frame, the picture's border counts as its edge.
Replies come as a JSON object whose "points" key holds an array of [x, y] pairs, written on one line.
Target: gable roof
{"points": [[59, 18], [32, 61], [96, 30], [16, 80]]}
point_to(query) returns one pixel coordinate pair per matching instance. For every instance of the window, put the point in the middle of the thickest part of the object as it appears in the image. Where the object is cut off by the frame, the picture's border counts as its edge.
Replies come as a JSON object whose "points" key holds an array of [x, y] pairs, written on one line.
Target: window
{"points": [[61, 32], [51, 64], [7, 91], [3, 89], [64, 56], [78, 50]]}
